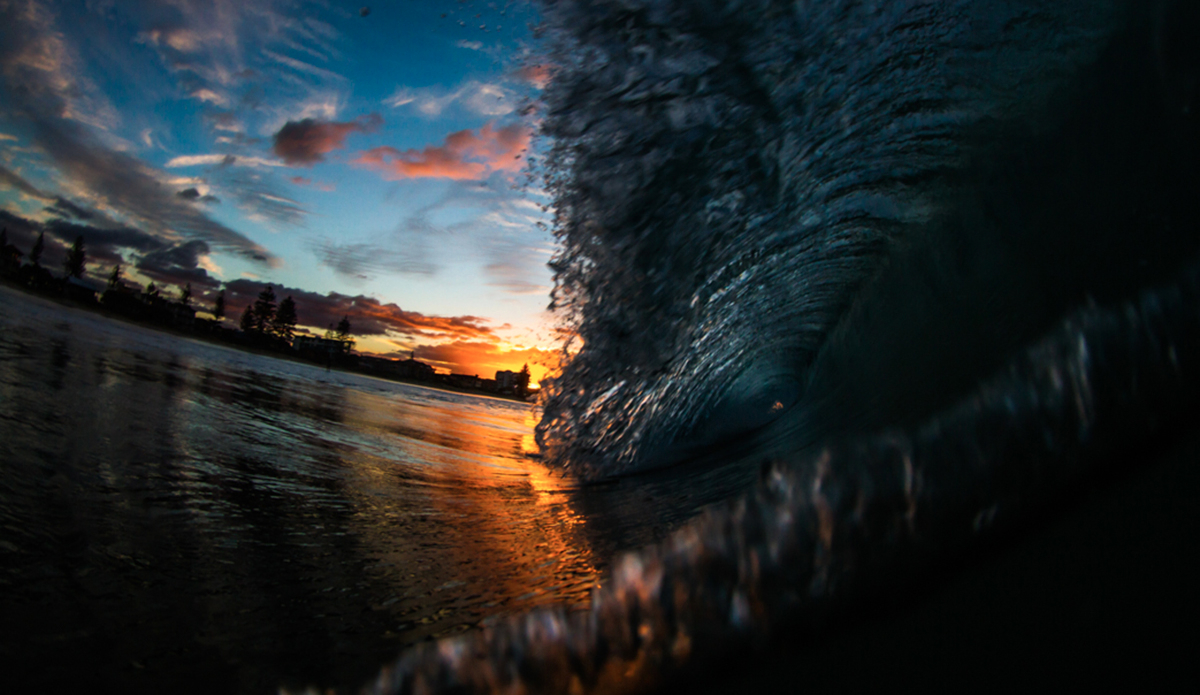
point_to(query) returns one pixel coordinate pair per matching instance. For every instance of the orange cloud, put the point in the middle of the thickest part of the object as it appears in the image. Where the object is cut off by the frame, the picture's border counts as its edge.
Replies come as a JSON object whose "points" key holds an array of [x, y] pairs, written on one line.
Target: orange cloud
{"points": [[465, 155], [392, 319]]}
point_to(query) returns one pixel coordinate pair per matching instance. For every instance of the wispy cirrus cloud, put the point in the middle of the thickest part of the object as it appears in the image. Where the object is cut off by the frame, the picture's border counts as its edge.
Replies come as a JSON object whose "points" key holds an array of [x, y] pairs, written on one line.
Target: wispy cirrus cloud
{"points": [[465, 155], [209, 96], [225, 121], [320, 106], [238, 179], [259, 197], [42, 70], [364, 260], [192, 160], [177, 38], [221, 45], [263, 74], [115, 180], [516, 249], [302, 66], [41, 84], [481, 98], [306, 142], [499, 226]]}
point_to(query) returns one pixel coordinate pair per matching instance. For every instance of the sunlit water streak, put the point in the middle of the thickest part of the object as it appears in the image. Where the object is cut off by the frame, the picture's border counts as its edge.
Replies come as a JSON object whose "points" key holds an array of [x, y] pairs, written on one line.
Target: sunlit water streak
{"points": [[178, 515]]}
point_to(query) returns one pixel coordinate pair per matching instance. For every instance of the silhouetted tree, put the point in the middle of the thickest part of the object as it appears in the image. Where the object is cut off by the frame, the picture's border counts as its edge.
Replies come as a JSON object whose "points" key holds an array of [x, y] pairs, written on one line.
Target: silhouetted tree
{"points": [[185, 295], [76, 259], [219, 306], [264, 309], [35, 254], [10, 257], [150, 293], [247, 322], [523, 381], [343, 334], [284, 324], [114, 278]]}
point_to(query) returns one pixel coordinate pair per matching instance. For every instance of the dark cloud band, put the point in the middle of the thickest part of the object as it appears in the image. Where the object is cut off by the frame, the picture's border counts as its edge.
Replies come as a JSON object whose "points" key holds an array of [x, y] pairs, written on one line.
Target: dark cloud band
{"points": [[306, 142]]}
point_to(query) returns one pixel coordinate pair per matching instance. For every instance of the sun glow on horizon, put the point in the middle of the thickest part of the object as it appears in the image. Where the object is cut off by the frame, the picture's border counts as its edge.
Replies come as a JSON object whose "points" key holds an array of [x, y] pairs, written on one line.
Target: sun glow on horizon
{"points": [[365, 176]]}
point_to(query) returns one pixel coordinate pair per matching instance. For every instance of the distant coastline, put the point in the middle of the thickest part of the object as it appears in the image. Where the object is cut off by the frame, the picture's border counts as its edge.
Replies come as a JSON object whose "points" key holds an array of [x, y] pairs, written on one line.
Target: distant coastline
{"points": [[181, 324]]}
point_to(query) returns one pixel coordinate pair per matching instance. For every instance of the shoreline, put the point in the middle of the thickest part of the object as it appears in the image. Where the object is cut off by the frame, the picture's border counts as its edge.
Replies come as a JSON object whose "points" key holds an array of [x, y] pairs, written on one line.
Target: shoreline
{"points": [[208, 339]]}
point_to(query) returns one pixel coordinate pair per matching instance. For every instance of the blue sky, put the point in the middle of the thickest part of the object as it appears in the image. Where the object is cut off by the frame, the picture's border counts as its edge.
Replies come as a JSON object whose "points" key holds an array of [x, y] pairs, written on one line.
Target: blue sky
{"points": [[369, 160]]}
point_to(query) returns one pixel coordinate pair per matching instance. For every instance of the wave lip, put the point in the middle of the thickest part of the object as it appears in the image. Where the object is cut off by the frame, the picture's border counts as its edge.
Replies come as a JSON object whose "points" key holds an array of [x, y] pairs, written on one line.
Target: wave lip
{"points": [[728, 176]]}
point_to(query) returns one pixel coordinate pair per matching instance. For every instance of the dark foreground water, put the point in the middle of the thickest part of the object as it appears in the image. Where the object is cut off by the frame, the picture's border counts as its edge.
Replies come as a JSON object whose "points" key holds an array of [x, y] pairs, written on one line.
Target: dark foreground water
{"points": [[178, 516]]}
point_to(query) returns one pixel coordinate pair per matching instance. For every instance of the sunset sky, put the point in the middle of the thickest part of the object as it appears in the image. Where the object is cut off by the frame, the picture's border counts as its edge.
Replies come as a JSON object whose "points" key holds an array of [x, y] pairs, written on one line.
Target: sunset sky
{"points": [[366, 160]]}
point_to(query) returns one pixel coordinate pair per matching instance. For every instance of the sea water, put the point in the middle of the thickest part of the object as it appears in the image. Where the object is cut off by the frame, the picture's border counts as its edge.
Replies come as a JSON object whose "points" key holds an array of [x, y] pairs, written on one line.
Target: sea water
{"points": [[180, 516], [833, 216]]}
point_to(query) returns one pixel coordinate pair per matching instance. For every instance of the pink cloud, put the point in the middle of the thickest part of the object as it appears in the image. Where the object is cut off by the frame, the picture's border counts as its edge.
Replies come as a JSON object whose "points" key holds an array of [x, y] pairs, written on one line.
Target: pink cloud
{"points": [[464, 155], [536, 75], [319, 185], [306, 142]]}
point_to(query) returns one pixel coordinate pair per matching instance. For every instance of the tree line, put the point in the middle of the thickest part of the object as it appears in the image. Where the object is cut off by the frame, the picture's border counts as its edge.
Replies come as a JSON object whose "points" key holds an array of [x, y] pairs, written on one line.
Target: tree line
{"points": [[264, 320], [32, 273], [265, 323]]}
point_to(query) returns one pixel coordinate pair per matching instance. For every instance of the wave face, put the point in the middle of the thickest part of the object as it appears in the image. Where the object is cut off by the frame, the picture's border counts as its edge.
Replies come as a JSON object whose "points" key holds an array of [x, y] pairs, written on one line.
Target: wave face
{"points": [[841, 214]]}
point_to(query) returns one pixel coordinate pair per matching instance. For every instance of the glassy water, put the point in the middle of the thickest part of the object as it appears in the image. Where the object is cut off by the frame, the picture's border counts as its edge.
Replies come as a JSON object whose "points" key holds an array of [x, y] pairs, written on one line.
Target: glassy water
{"points": [[176, 515]]}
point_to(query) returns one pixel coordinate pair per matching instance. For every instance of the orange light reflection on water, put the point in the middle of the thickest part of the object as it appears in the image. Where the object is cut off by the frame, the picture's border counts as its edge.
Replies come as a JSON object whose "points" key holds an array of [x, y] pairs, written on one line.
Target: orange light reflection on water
{"points": [[458, 516]]}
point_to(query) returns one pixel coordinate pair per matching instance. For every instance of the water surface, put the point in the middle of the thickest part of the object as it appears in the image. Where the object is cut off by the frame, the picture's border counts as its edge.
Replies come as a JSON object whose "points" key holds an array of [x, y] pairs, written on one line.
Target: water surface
{"points": [[181, 516]]}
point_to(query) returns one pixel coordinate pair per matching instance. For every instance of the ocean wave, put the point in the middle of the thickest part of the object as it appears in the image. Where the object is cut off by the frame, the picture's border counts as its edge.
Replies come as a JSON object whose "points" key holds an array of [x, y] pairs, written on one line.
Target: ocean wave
{"points": [[739, 183]]}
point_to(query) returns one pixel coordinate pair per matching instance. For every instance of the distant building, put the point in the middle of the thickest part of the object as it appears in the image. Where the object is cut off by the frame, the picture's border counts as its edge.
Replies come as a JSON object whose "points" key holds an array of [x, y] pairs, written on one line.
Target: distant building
{"points": [[465, 381], [10, 259], [78, 290], [330, 347], [506, 381], [512, 382], [180, 315], [413, 369], [397, 369], [124, 299]]}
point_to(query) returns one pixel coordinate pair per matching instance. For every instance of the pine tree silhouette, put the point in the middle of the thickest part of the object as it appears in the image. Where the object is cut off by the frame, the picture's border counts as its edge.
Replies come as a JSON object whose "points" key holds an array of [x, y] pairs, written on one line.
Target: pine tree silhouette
{"points": [[76, 261]]}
